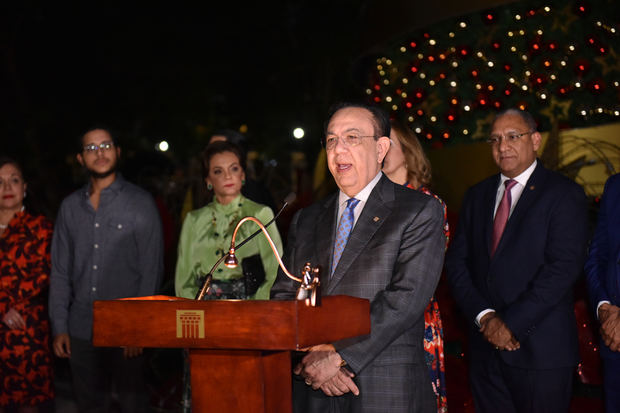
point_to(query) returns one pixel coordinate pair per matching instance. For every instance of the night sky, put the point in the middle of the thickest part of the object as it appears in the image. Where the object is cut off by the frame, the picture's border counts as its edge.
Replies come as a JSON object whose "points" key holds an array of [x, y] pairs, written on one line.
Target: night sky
{"points": [[175, 72], [178, 72]]}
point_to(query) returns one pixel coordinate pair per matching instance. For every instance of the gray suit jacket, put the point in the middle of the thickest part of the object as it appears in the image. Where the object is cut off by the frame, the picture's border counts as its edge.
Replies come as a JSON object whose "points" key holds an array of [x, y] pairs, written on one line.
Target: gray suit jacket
{"points": [[393, 258]]}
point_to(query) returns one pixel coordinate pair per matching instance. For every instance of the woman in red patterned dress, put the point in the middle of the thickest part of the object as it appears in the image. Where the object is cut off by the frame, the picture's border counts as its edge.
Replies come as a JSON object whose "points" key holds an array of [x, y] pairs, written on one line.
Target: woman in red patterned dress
{"points": [[25, 357], [406, 164]]}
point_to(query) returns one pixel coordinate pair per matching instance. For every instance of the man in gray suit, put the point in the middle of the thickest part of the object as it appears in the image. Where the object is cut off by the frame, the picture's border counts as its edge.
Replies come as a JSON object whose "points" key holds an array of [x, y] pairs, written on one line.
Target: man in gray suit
{"points": [[376, 240]]}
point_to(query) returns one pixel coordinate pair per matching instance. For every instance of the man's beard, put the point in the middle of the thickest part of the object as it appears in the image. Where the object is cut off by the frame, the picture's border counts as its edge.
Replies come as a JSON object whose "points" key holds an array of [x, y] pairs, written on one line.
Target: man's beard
{"points": [[102, 175]]}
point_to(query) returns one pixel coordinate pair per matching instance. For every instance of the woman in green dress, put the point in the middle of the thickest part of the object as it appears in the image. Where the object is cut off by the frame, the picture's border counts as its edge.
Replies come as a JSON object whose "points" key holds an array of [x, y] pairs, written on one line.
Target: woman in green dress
{"points": [[207, 232]]}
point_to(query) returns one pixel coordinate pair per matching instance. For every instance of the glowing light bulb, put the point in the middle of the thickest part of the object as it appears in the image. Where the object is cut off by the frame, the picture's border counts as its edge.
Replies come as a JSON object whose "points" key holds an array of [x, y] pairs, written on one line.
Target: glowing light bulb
{"points": [[163, 146], [298, 133]]}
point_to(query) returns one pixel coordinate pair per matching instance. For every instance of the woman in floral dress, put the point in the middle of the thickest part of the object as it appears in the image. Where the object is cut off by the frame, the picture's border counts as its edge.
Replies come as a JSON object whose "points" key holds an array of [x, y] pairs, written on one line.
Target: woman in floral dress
{"points": [[406, 164], [25, 357]]}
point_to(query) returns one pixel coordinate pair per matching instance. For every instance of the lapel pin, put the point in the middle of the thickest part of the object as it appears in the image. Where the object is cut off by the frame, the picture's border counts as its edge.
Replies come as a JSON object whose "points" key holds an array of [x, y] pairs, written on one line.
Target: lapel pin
{"points": [[376, 219], [532, 187]]}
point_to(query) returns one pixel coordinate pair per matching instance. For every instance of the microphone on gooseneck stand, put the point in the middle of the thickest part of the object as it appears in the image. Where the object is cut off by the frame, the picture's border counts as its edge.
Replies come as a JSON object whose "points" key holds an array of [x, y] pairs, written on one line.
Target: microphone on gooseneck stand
{"points": [[207, 282], [289, 198]]}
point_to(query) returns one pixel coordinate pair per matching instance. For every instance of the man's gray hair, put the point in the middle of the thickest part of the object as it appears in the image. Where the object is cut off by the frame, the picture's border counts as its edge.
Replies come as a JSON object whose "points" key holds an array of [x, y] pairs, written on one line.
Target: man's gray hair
{"points": [[524, 115]]}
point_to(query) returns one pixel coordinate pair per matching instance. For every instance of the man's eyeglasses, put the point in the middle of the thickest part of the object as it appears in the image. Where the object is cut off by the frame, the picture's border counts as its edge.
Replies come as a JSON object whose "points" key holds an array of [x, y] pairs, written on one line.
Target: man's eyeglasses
{"points": [[349, 140], [510, 137], [104, 146]]}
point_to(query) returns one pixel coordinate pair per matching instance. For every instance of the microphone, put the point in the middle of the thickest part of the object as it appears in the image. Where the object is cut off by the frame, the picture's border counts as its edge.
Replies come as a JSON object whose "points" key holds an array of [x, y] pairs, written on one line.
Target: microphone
{"points": [[289, 198], [207, 282]]}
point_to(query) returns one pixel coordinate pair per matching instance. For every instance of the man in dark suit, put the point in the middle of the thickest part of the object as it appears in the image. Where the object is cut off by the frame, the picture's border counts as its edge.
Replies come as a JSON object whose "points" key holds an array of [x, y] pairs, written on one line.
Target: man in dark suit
{"points": [[393, 257], [603, 275], [518, 250]]}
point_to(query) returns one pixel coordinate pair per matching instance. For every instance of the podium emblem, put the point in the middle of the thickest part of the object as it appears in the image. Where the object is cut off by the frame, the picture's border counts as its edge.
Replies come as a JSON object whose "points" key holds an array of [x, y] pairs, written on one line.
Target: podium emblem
{"points": [[190, 324]]}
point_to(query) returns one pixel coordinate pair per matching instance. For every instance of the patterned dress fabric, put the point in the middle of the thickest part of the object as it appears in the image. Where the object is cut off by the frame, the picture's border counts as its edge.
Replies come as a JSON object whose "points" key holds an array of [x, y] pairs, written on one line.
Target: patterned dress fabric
{"points": [[433, 329], [25, 354]]}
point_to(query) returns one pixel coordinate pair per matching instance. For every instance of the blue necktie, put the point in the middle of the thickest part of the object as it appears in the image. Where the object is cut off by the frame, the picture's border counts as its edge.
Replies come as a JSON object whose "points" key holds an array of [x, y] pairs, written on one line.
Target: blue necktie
{"points": [[344, 230]]}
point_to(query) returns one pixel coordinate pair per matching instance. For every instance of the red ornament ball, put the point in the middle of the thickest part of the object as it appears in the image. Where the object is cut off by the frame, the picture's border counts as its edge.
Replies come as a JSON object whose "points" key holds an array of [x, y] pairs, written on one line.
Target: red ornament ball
{"points": [[582, 67], [581, 8], [596, 86]]}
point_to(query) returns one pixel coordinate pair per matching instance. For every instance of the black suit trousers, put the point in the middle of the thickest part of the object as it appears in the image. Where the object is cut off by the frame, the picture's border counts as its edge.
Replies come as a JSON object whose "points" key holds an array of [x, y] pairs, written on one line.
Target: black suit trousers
{"points": [[499, 387]]}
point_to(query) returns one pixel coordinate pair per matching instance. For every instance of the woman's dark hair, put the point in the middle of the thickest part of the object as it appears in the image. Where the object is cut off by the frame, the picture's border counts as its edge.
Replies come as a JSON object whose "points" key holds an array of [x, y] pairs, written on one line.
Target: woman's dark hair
{"points": [[32, 201], [220, 147], [5, 160], [233, 136]]}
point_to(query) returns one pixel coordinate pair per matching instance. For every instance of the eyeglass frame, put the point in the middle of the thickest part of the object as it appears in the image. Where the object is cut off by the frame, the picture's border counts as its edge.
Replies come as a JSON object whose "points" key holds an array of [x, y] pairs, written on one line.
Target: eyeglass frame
{"points": [[511, 137], [104, 146], [347, 144]]}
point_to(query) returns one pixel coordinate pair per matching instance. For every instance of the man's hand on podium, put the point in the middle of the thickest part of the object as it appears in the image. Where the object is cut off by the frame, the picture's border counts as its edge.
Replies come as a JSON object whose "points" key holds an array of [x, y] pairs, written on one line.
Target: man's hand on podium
{"points": [[340, 384], [323, 368]]}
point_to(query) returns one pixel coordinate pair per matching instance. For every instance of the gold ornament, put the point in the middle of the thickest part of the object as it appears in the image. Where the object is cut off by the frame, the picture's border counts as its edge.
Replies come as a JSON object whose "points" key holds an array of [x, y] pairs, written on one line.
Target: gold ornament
{"points": [[557, 110], [610, 62], [482, 127]]}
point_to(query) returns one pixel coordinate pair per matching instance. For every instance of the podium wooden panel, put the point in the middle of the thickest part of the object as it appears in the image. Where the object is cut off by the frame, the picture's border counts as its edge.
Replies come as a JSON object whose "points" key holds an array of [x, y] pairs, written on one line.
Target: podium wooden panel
{"points": [[239, 349]]}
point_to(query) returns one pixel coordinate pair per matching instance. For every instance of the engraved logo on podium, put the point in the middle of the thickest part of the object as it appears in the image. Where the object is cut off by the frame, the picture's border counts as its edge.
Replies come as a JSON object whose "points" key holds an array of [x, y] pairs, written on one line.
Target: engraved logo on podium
{"points": [[190, 324]]}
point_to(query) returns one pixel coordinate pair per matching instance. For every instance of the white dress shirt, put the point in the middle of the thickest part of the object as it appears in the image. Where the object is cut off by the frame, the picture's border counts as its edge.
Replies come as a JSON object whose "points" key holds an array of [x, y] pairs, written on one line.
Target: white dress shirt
{"points": [[515, 194], [362, 196]]}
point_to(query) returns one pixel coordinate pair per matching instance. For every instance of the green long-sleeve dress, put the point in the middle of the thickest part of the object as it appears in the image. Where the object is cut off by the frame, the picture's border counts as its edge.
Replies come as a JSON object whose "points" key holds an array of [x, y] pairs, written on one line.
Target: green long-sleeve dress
{"points": [[206, 235]]}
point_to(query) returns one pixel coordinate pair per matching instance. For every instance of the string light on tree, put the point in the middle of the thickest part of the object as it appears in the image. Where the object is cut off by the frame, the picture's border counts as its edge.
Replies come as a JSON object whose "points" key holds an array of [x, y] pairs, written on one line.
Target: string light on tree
{"points": [[521, 54]]}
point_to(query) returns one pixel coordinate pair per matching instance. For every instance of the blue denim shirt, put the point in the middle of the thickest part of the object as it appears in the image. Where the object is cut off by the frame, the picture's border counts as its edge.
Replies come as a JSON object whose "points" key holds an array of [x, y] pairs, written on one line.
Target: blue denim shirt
{"points": [[113, 252]]}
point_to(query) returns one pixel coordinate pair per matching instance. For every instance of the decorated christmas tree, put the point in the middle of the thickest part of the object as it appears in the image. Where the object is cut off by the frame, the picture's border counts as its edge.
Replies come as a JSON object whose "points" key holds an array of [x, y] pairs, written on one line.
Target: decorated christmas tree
{"points": [[559, 60]]}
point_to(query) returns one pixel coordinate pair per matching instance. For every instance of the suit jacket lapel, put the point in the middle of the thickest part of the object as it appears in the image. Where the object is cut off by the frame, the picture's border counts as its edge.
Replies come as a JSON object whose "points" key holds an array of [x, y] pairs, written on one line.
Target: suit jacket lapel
{"points": [[489, 205], [371, 219], [529, 194], [324, 238]]}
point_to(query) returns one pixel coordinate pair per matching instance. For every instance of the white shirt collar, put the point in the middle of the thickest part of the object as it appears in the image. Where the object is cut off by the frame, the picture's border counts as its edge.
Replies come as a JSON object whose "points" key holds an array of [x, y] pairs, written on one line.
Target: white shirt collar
{"points": [[523, 177], [361, 195]]}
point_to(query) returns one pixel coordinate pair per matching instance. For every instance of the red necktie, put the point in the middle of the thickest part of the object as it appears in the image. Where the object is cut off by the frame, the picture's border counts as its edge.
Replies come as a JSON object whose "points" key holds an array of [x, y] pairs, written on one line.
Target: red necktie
{"points": [[501, 216]]}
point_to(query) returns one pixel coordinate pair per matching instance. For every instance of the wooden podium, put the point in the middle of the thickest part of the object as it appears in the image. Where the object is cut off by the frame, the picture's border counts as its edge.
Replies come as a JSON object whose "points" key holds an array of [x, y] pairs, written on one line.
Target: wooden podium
{"points": [[239, 349]]}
